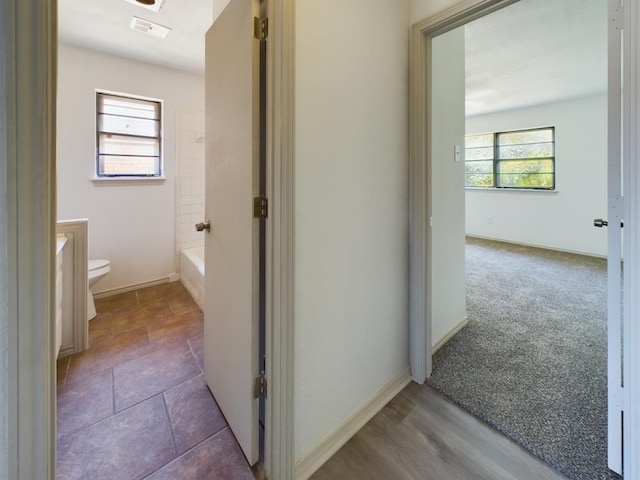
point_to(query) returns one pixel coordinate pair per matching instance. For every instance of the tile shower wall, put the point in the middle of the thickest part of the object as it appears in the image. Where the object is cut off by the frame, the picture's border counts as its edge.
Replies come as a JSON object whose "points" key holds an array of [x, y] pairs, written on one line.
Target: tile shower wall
{"points": [[190, 179]]}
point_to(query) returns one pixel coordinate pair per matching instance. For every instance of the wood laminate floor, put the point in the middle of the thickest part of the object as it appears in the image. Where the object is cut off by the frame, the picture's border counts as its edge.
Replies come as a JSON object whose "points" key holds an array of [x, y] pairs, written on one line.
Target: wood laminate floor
{"points": [[422, 435]]}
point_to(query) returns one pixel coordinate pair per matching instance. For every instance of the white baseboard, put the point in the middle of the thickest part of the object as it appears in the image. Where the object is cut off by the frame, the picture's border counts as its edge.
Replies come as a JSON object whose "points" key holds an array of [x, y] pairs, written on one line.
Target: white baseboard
{"points": [[66, 350], [137, 286], [449, 335], [324, 450], [534, 245]]}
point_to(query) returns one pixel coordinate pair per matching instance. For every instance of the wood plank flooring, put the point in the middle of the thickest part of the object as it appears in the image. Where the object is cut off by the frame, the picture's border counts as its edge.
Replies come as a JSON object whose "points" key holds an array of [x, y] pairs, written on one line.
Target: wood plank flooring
{"points": [[422, 435]]}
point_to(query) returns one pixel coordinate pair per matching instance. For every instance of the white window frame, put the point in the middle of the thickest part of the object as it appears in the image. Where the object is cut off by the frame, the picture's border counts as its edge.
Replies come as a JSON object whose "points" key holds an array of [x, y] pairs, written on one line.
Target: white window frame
{"points": [[125, 179], [496, 160]]}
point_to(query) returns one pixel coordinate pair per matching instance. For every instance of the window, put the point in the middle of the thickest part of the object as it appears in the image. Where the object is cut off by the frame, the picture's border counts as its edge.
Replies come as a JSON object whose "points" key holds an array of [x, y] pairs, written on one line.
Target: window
{"points": [[516, 159], [128, 140]]}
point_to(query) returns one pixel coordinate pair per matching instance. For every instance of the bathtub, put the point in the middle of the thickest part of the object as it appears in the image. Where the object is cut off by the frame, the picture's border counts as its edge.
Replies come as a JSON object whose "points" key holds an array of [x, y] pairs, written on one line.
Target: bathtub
{"points": [[192, 273]]}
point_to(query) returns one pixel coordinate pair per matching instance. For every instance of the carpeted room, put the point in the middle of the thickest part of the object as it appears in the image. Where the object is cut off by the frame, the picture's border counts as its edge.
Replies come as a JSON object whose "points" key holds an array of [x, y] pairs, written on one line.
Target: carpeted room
{"points": [[532, 360]]}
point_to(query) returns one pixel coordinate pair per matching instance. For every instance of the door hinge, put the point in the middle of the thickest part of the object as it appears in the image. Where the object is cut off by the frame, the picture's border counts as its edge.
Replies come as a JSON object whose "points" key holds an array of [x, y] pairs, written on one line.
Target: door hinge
{"points": [[260, 207], [260, 28], [260, 386]]}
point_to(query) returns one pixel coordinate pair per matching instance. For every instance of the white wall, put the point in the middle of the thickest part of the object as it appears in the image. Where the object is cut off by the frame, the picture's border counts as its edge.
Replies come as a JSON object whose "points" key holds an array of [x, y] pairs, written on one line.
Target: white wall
{"points": [[351, 227], [562, 219], [422, 9], [448, 301], [133, 226], [218, 7]]}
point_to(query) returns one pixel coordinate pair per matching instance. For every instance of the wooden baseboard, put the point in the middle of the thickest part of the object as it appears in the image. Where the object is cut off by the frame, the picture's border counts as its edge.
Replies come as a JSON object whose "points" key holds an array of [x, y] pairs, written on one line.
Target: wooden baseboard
{"points": [[324, 450], [137, 286]]}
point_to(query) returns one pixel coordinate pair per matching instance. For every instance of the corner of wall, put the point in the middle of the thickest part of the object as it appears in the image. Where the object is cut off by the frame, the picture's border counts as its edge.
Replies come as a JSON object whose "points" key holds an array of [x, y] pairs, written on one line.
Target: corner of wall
{"points": [[328, 446]]}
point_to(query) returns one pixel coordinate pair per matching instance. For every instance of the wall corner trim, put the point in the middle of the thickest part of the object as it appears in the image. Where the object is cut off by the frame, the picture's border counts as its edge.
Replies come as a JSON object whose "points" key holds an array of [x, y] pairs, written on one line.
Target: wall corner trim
{"points": [[324, 450], [77, 230]]}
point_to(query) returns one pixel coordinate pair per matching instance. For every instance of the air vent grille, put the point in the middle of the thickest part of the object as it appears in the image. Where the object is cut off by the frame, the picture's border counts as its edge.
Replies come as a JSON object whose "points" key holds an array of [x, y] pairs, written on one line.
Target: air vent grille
{"points": [[145, 26]]}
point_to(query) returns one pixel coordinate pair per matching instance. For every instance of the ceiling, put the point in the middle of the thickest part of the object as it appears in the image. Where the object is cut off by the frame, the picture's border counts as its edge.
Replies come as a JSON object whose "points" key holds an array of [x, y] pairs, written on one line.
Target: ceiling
{"points": [[532, 52], [535, 52], [104, 25]]}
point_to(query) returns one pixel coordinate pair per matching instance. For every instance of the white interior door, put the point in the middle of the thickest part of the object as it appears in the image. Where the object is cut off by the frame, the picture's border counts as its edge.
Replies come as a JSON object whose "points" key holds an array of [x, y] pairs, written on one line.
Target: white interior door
{"points": [[231, 247], [615, 212]]}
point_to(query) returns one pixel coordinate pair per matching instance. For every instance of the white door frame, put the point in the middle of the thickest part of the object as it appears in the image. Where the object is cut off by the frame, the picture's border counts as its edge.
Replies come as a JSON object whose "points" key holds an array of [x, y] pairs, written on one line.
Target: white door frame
{"points": [[615, 215], [420, 341], [420, 208], [631, 162], [28, 61], [28, 30], [280, 259]]}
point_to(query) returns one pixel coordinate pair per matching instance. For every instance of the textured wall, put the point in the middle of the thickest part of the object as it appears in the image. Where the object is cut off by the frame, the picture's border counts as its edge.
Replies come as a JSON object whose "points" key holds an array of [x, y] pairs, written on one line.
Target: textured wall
{"points": [[448, 304], [351, 192], [134, 226], [562, 219]]}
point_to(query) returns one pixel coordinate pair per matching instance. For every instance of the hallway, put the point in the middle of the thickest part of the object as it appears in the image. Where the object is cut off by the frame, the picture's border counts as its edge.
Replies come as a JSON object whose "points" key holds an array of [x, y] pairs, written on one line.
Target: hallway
{"points": [[420, 435]]}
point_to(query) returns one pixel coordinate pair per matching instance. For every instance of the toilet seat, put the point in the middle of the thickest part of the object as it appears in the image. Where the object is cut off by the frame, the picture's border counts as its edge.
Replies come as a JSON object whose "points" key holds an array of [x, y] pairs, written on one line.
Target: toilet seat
{"points": [[98, 264]]}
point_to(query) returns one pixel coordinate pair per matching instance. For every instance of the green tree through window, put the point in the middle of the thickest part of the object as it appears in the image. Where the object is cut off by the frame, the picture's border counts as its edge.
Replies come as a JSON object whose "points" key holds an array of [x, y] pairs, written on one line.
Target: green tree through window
{"points": [[516, 159]]}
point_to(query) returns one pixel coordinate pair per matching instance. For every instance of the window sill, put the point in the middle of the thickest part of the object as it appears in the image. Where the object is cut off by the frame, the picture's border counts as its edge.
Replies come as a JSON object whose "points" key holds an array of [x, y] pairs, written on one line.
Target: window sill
{"points": [[512, 190], [119, 181]]}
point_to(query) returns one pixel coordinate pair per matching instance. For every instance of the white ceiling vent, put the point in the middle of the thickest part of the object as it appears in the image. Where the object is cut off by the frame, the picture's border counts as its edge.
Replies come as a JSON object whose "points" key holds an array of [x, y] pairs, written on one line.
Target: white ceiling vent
{"points": [[150, 28], [153, 5]]}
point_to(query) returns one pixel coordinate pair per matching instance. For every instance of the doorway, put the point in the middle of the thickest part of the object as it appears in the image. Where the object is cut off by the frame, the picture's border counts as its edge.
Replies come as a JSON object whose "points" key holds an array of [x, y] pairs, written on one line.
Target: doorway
{"points": [[555, 323], [438, 214]]}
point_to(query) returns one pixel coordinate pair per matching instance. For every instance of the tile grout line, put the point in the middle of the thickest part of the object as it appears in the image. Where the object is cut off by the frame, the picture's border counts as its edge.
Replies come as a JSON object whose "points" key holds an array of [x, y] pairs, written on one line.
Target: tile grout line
{"points": [[113, 392], [173, 433], [157, 393], [113, 412], [226, 427], [195, 356]]}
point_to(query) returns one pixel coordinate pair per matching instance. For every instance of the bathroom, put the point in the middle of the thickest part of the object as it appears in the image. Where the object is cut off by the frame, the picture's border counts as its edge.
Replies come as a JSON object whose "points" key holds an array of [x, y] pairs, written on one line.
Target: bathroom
{"points": [[140, 225]]}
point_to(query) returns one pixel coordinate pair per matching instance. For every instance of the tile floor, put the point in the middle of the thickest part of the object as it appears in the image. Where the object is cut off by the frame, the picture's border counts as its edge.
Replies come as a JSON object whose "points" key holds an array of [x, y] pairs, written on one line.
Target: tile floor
{"points": [[135, 405]]}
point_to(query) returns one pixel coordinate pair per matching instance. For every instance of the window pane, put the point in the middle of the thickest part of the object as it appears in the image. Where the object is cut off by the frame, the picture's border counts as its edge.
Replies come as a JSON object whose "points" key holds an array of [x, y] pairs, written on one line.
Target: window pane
{"points": [[525, 159], [128, 126], [479, 153], [526, 166], [479, 174], [478, 180], [482, 140], [478, 167], [530, 180], [128, 136], [129, 107], [526, 136], [526, 174], [526, 150], [116, 165], [122, 145]]}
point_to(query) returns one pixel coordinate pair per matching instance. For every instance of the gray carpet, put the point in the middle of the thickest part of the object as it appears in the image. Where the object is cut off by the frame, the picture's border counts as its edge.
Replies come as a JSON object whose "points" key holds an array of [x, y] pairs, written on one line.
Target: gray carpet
{"points": [[532, 361]]}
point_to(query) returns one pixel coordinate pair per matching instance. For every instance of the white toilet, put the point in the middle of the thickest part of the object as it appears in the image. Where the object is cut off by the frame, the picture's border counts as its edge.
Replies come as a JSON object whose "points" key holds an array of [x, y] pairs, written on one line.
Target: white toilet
{"points": [[97, 271]]}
